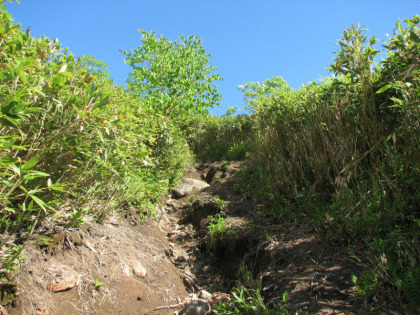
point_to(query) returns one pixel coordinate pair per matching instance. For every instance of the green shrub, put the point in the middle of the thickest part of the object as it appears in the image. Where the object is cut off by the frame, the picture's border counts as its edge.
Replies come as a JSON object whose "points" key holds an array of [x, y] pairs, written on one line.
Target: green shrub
{"points": [[217, 138], [345, 153]]}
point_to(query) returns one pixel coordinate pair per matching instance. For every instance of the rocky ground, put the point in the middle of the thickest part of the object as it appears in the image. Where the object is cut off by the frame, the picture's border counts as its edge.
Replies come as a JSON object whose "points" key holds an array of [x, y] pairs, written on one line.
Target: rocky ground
{"points": [[175, 264]]}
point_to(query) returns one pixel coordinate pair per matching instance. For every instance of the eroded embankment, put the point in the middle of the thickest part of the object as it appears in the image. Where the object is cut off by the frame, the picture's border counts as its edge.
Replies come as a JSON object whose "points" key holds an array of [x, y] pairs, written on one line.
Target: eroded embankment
{"points": [[221, 242], [200, 246]]}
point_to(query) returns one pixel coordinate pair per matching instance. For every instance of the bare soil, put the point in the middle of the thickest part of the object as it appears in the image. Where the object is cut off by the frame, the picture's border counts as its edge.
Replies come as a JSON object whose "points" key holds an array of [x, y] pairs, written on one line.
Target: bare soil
{"points": [[184, 260]]}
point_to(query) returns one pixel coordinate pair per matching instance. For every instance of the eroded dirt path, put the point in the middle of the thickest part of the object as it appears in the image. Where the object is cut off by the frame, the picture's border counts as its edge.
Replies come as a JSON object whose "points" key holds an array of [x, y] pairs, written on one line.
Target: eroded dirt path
{"points": [[287, 257], [125, 266]]}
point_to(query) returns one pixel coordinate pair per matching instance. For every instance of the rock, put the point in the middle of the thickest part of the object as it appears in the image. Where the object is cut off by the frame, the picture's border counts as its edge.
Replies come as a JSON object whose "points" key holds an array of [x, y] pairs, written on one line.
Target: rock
{"points": [[196, 307], [187, 186], [64, 279], [125, 269], [139, 270], [196, 267]]}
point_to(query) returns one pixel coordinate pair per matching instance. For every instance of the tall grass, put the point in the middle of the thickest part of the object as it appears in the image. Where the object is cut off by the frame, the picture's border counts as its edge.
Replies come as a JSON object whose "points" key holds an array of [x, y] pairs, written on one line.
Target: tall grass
{"points": [[345, 153]]}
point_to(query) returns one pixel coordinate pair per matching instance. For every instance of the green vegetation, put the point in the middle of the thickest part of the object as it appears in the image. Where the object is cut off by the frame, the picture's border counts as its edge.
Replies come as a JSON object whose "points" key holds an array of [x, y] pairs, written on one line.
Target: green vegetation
{"points": [[173, 78], [221, 138], [250, 301], [217, 225], [343, 152], [74, 146]]}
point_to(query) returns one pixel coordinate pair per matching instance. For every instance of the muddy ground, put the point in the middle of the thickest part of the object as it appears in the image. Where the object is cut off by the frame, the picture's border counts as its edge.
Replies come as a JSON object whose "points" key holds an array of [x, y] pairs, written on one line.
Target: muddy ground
{"points": [[126, 266]]}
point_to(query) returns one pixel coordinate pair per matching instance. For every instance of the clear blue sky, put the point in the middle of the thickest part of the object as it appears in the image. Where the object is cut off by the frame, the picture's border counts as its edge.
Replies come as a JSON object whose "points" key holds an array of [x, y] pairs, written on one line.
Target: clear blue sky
{"points": [[250, 40]]}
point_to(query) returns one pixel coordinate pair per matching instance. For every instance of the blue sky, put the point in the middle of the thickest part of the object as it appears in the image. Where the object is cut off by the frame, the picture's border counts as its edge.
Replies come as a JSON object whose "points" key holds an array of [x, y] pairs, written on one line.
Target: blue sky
{"points": [[250, 40]]}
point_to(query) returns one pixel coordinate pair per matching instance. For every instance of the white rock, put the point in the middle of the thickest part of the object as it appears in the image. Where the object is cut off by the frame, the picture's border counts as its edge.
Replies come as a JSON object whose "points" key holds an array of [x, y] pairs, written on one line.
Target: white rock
{"points": [[188, 185], [125, 269], [139, 270]]}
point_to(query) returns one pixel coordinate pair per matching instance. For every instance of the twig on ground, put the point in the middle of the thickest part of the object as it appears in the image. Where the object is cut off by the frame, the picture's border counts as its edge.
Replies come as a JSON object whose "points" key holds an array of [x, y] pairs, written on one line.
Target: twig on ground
{"points": [[169, 306]]}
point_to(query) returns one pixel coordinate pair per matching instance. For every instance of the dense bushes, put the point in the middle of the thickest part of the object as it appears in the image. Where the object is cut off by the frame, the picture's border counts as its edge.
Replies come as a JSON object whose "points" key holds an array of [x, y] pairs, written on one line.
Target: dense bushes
{"points": [[72, 144], [345, 153], [220, 138]]}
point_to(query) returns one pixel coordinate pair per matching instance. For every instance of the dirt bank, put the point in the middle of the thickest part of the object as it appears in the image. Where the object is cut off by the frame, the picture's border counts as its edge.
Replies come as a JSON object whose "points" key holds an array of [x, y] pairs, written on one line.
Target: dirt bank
{"points": [[126, 266]]}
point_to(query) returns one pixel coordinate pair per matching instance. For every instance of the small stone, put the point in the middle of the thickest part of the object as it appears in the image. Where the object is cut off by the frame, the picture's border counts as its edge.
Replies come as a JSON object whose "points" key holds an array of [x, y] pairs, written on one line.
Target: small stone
{"points": [[125, 269], [64, 279], [39, 311], [196, 307], [182, 265], [139, 270]]}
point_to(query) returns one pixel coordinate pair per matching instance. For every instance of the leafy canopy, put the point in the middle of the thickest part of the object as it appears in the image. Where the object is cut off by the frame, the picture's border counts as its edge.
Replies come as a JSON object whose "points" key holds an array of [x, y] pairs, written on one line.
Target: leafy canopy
{"points": [[173, 78]]}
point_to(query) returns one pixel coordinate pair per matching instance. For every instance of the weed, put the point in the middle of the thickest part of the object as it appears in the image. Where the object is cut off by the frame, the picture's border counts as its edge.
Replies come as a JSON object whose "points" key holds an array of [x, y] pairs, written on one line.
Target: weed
{"points": [[250, 301], [97, 285], [191, 200], [222, 204], [217, 225]]}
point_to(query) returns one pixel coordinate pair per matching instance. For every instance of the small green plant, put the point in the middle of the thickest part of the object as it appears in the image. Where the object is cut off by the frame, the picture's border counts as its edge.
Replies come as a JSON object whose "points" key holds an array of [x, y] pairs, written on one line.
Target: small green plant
{"points": [[366, 283], [217, 225], [222, 204], [245, 275], [250, 301], [225, 165], [77, 218], [11, 258], [98, 284], [191, 200]]}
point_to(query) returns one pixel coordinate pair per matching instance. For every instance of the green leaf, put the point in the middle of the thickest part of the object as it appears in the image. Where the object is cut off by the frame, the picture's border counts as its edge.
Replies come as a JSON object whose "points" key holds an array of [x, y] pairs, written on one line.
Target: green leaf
{"points": [[31, 163], [15, 169], [39, 202], [100, 135], [384, 88], [8, 144], [103, 102], [35, 174], [59, 187], [285, 296], [23, 78]]}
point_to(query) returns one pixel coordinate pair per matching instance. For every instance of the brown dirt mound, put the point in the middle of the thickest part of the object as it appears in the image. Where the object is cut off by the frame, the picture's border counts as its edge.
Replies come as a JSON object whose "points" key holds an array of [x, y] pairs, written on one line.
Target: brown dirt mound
{"points": [[104, 258]]}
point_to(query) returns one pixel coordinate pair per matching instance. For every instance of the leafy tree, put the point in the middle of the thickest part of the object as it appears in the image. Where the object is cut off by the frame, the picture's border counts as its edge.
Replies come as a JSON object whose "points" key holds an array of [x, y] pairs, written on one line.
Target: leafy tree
{"points": [[95, 67], [256, 93], [173, 78], [356, 56]]}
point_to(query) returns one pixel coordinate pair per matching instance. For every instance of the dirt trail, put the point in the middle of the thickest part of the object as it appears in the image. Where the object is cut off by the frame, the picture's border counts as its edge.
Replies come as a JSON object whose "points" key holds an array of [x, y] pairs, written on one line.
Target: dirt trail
{"points": [[125, 266], [286, 257]]}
